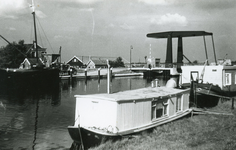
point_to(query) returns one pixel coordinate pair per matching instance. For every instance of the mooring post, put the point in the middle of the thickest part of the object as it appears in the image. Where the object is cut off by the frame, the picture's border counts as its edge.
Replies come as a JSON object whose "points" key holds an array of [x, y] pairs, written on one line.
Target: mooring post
{"points": [[111, 73], [108, 78], [232, 103], [71, 74], [99, 74], [85, 74], [194, 92]]}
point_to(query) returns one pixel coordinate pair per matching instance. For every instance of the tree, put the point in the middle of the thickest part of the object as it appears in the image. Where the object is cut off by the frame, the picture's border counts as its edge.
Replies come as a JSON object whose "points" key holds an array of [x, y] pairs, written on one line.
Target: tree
{"points": [[195, 62], [117, 63], [12, 55]]}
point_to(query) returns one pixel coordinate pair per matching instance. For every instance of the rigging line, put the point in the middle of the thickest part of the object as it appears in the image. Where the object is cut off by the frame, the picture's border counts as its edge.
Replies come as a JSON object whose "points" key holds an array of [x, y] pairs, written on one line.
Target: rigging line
{"points": [[39, 32], [93, 25], [40, 37], [93, 22], [31, 32], [45, 35], [14, 46]]}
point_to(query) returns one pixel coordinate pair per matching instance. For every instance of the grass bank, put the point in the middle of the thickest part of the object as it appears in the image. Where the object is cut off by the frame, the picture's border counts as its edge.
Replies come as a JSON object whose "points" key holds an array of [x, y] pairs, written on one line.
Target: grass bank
{"points": [[199, 132]]}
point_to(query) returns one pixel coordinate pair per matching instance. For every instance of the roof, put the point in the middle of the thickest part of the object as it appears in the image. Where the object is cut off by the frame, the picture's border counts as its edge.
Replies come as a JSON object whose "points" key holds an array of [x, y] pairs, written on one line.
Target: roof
{"points": [[137, 94], [74, 57], [99, 61], [175, 34], [33, 61]]}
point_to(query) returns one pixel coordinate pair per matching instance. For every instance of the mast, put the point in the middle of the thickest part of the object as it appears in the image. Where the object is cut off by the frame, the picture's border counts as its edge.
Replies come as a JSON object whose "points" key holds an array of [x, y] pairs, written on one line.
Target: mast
{"points": [[35, 32]]}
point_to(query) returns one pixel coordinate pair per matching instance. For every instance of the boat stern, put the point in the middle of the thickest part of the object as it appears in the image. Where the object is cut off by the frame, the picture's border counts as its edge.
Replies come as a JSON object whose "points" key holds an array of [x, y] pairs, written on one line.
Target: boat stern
{"points": [[74, 134]]}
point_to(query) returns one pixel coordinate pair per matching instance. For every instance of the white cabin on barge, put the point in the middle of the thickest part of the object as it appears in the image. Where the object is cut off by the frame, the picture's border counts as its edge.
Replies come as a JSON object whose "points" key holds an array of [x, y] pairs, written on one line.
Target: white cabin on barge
{"points": [[220, 75], [127, 112]]}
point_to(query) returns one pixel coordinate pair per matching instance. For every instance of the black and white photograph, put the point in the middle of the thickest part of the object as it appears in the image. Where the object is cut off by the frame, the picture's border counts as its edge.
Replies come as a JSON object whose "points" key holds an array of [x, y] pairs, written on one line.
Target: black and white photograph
{"points": [[117, 74]]}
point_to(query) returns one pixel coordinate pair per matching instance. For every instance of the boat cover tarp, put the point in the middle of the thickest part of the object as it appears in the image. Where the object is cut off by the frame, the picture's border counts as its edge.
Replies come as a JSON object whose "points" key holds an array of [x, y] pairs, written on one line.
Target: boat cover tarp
{"points": [[175, 34]]}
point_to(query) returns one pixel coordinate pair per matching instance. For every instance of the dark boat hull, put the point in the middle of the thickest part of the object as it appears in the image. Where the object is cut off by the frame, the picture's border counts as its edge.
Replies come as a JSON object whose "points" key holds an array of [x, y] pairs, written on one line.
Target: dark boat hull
{"points": [[18, 78], [208, 95], [85, 137], [89, 138]]}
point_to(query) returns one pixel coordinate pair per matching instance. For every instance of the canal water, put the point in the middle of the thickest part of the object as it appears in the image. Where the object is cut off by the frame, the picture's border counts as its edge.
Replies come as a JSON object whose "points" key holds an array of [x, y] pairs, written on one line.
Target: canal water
{"points": [[37, 117]]}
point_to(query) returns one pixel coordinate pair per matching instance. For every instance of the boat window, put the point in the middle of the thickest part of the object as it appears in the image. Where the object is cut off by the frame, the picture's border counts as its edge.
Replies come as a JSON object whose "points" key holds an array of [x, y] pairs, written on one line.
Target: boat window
{"points": [[194, 75], [235, 79], [159, 109], [165, 106], [178, 104], [227, 78]]}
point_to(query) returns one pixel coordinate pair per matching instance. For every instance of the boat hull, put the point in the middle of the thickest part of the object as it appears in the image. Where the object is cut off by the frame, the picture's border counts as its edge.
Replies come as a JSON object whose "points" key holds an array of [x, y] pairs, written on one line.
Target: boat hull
{"points": [[86, 138], [204, 95], [18, 78]]}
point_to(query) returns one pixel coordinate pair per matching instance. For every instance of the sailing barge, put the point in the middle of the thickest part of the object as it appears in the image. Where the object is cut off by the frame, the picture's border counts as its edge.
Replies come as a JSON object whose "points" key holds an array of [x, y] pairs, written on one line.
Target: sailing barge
{"points": [[102, 117], [35, 72]]}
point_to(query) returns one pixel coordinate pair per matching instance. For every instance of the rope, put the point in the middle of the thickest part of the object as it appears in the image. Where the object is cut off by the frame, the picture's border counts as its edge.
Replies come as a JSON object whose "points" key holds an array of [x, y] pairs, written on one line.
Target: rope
{"points": [[45, 35], [81, 140]]}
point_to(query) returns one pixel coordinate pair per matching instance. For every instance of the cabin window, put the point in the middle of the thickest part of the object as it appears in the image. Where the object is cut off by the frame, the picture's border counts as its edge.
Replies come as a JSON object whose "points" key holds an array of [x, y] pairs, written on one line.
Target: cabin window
{"points": [[235, 79], [227, 78], [159, 109], [178, 104]]}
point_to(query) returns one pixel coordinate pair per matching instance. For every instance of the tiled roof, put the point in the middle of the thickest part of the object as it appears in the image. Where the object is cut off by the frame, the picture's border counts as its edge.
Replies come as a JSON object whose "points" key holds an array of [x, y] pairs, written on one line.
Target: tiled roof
{"points": [[99, 61]]}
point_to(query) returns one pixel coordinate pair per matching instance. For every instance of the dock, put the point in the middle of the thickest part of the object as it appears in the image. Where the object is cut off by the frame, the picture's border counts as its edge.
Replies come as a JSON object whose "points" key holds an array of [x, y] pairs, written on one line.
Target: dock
{"points": [[99, 74], [172, 71]]}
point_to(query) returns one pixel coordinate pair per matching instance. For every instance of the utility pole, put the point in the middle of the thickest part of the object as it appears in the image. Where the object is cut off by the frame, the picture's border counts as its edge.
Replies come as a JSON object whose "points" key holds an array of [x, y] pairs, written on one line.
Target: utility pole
{"points": [[131, 47]]}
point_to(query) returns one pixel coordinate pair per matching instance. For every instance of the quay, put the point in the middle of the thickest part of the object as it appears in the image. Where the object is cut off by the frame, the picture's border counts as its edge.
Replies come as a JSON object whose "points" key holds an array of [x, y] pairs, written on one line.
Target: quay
{"points": [[102, 73]]}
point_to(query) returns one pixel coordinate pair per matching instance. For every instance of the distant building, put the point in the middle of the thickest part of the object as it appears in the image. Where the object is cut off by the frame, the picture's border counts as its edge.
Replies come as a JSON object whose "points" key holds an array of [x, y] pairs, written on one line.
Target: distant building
{"points": [[75, 62], [29, 63], [97, 63]]}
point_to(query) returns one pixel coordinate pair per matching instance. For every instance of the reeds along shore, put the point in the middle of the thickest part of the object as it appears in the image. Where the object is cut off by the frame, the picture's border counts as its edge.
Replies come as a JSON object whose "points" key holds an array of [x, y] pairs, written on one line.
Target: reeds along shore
{"points": [[209, 131]]}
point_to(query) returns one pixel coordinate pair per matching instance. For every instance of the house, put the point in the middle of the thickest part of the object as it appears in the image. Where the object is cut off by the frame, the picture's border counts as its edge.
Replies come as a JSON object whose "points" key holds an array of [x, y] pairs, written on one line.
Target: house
{"points": [[29, 63], [75, 62], [97, 63]]}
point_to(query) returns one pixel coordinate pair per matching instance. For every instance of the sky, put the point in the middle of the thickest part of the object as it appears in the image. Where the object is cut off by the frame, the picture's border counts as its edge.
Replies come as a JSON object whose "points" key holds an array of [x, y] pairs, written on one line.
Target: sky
{"points": [[109, 28]]}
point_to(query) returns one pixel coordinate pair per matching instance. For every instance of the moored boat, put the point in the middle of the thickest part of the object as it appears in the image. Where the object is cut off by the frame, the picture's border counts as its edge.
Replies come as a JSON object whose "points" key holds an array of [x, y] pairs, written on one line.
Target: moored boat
{"points": [[102, 117], [212, 80], [32, 69]]}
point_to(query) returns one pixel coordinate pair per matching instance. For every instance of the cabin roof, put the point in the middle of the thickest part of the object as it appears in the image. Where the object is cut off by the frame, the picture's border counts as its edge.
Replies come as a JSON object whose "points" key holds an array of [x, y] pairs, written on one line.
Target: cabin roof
{"points": [[138, 94], [175, 34]]}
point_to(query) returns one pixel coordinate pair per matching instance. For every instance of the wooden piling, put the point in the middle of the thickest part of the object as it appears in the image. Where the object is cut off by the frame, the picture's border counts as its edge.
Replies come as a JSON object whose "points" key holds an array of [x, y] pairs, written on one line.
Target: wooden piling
{"points": [[85, 74], [99, 76], [232, 103], [108, 78], [111, 74]]}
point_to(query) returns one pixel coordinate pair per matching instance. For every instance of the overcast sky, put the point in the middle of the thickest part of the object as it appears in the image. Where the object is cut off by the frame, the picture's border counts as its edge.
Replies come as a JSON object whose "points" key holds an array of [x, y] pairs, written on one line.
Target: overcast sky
{"points": [[110, 27]]}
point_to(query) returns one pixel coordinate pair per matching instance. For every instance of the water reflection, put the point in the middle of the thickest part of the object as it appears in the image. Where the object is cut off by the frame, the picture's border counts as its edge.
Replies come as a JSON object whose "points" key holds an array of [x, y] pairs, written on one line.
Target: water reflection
{"points": [[28, 93], [36, 117], [36, 124]]}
